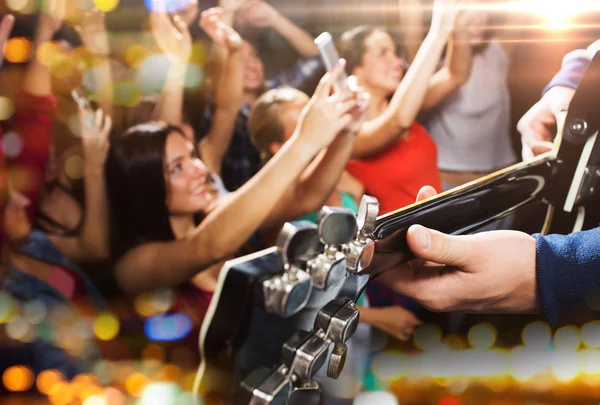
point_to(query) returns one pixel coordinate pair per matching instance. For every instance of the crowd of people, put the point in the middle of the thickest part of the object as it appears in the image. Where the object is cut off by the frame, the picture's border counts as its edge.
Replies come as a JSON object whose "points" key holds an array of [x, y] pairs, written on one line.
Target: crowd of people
{"points": [[103, 197]]}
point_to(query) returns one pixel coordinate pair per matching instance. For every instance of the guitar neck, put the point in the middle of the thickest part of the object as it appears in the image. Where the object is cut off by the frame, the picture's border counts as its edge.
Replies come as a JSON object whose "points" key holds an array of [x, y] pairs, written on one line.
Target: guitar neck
{"points": [[461, 210]]}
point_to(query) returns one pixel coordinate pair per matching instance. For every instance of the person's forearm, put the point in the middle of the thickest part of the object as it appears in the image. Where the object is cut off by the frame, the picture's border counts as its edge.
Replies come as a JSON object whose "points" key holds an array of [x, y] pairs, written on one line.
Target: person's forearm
{"points": [[402, 111], [170, 107], [37, 79], [103, 91], [368, 315], [94, 238], [266, 187], [228, 97], [454, 74], [573, 67], [301, 40]]}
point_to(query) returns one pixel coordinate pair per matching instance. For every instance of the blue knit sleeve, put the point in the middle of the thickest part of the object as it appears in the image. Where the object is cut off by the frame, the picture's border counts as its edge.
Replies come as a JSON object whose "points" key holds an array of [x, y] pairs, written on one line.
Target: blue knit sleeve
{"points": [[568, 276], [573, 67]]}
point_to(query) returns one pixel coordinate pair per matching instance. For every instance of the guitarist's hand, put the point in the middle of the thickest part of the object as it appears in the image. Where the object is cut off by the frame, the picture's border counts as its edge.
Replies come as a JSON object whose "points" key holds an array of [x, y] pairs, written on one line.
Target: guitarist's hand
{"points": [[487, 272]]}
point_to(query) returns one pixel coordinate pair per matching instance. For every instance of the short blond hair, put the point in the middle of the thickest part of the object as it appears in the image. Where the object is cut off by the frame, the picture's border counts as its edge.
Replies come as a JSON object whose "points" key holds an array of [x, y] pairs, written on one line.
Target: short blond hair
{"points": [[264, 124]]}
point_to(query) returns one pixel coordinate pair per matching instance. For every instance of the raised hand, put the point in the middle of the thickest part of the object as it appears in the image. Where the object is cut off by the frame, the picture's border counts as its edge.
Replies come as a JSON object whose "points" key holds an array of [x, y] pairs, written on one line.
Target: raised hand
{"points": [[52, 15], [219, 31], [444, 16], [171, 35], [189, 13], [95, 129], [92, 31], [258, 13], [232, 6], [326, 115], [6, 26]]}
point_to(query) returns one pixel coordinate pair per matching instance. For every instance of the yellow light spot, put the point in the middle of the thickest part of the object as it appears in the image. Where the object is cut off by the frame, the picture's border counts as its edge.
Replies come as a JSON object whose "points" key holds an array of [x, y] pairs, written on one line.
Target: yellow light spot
{"points": [[135, 54], [17, 378], [46, 52], [590, 334], [136, 383], [17, 5], [482, 336], [17, 50], [567, 338], [74, 167], [199, 54], [537, 334], [81, 384], [188, 381], [94, 400], [106, 5], [170, 372], [60, 394], [6, 307], [127, 94], [143, 305], [106, 327], [18, 328], [153, 352], [427, 337], [46, 379], [62, 66]]}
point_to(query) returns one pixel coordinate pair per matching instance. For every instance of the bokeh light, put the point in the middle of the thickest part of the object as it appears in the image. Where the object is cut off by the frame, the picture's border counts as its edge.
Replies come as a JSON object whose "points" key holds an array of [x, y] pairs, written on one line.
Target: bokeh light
{"points": [[18, 378], [537, 334], [127, 94], [6, 307], [19, 329], [376, 397], [46, 53], [168, 327], [153, 352], [567, 338], [18, 50], [12, 144], [74, 167], [388, 366], [590, 334], [17, 5], [106, 5], [200, 54], [106, 327], [34, 311], [60, 394], [7, 108], [482, 336], [427, 337], [169, 6], [46, 380], [136, 383]]}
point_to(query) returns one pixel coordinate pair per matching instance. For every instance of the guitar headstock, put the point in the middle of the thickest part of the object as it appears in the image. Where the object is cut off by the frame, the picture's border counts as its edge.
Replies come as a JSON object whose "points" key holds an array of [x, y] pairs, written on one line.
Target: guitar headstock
{"points": [[344, 249]]}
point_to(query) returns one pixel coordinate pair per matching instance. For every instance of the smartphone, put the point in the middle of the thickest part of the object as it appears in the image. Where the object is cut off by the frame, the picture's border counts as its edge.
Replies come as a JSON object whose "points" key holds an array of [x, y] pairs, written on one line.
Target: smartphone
{"points": [[330, 58], [81, 100]]}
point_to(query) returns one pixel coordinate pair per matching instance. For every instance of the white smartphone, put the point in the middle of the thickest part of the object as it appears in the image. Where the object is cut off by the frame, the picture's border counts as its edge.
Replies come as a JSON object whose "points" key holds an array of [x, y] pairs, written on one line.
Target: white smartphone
{"points": [[330, 58]]}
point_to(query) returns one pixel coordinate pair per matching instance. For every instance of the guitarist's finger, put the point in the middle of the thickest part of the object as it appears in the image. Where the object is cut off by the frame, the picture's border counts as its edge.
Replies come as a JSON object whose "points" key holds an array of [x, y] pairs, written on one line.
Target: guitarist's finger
{"points": [[438, 247]]}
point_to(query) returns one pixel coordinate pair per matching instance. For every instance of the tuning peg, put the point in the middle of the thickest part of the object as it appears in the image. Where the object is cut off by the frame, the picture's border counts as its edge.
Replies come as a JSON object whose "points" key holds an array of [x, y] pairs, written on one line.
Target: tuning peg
{"points": [[304, 354], [359, 252], [297, 241], [287, 293], [308, 393], [337, 226], [265, 387], [339, 319]]}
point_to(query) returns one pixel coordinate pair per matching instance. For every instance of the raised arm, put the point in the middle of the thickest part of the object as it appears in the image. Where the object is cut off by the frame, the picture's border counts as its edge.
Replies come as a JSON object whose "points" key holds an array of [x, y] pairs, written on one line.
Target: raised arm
{"points": [[408, 98], [92, 32], [458, 64], [319, 180], [228, 92], [6, 26], [261, 14], [237, 217], [92, 243], [412, 26], [173, 38]]}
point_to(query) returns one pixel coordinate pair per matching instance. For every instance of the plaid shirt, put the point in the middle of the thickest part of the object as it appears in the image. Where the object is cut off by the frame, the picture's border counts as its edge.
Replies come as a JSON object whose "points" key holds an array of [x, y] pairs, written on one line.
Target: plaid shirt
{"points": [[242, 159]]}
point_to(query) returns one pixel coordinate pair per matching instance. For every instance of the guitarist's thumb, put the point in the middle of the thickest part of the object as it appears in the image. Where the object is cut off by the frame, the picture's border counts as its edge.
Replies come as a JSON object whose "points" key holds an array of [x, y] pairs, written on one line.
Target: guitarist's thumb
{"points": [[438, 247]]}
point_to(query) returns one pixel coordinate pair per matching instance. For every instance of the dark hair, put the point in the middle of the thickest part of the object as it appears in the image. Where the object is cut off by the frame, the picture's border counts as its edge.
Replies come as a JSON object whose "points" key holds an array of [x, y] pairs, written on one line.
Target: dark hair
{"points": [[136, 185], [351, 45]]}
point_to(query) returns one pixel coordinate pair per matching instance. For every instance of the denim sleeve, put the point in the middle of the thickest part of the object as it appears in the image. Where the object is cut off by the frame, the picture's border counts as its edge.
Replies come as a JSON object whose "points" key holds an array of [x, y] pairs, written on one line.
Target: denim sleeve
{"points": [[574, 66], [568, 276]]}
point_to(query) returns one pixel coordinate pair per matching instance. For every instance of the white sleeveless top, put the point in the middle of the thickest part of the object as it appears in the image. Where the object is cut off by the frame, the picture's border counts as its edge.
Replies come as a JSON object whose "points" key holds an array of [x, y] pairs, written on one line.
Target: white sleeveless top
{"points": [[472, 126]]}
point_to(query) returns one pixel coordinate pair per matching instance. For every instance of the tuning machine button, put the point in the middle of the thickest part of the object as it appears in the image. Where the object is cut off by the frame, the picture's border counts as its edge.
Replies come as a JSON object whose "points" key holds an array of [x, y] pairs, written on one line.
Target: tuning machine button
{"points": [[337, 227], [339, 319], [265, 387], [359, 252], [287, 293], [308, 393]]}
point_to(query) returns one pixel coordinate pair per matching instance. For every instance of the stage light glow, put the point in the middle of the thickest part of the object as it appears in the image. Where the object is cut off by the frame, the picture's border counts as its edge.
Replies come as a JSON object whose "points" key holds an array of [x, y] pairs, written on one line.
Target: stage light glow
{"points": [[482, 336]]}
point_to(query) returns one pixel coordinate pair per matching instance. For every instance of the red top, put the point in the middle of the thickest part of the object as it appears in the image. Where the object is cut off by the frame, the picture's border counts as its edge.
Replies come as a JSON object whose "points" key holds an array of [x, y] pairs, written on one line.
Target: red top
{"points": [[395, 175]]}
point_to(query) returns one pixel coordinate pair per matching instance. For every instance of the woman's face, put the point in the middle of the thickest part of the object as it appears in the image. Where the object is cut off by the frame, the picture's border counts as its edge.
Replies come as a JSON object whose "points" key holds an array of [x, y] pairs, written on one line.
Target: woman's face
{"points": [[189, 186], [381, 70], [254, 76]]}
